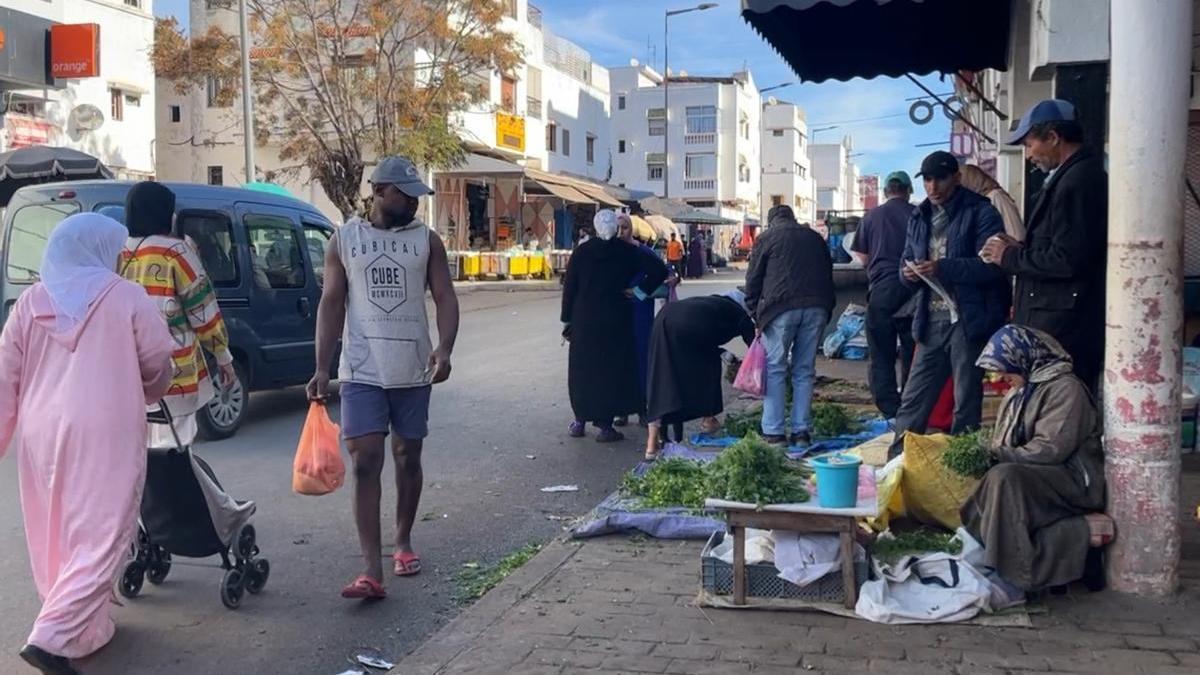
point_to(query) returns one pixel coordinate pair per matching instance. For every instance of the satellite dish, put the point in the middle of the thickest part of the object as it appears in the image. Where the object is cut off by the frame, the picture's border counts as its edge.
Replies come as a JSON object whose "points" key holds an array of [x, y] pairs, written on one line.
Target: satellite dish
{"points": [[87, 117], [771, 100], [633, 62]]}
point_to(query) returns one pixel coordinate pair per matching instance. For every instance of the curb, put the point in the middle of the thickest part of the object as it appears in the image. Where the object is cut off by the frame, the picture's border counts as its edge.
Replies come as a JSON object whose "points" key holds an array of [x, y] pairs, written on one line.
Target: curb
{"points": [[464, 630], [507, 286]]}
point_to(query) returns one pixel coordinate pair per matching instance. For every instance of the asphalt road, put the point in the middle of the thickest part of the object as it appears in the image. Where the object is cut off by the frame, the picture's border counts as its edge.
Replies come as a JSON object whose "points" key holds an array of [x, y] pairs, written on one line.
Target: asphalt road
{"points": [[507, 400]]}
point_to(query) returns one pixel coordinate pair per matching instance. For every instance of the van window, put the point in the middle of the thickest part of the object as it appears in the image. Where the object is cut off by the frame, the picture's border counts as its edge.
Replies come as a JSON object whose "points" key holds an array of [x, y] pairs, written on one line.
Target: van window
{"points": [[212, 233], [316, 237], [275, 251], [114, 211], [31, 226]]}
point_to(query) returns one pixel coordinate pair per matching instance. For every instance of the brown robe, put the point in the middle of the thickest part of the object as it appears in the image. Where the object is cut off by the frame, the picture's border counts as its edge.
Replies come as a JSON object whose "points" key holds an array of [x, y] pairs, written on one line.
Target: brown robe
{"points": [[1028, 512]]}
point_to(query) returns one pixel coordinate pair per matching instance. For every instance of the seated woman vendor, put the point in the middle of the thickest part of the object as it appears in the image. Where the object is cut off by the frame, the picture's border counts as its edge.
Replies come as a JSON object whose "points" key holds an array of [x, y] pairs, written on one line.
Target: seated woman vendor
{"points": [[1037, 511]]}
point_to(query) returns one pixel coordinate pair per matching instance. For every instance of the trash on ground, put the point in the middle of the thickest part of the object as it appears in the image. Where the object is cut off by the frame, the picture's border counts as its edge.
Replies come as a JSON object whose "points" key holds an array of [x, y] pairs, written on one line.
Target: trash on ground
{"points": [[530, 456], [561, 488], [375, 661]]}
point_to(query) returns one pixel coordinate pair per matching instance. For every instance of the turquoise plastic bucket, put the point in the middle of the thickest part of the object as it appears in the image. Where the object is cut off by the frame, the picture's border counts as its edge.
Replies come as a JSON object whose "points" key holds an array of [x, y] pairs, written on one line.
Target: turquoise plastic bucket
{"points": [[837, 480]]}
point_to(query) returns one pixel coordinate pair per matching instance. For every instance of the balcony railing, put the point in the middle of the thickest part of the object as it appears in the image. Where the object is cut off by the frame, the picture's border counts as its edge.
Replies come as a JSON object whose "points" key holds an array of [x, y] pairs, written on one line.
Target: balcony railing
{"points": [[533, 107], [535, 16], [699, 139], [700, 184]]}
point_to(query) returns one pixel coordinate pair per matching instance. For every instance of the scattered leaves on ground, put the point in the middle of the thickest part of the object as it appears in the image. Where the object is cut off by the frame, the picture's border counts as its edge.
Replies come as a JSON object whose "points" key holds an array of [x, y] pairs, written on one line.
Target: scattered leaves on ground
{"points": [[475, 579], [890, 548]]}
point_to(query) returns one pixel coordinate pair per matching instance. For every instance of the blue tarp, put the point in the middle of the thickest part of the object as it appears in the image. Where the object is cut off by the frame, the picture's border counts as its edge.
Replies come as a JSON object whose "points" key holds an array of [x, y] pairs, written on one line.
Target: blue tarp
{"points": [[872, 428]]}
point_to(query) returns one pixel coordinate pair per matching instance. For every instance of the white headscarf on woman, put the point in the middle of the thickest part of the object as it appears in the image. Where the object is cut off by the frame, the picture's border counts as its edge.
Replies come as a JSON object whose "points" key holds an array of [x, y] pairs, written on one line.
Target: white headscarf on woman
{"points": [[605, 223], [79, 263]]}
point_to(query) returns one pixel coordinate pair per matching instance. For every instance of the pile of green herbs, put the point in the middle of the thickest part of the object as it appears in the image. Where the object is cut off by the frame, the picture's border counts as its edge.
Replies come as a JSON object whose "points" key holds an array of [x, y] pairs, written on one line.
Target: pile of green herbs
{"points": [[969, 455], [890, 548], [474, 580], [750, 471], [830, 420]]}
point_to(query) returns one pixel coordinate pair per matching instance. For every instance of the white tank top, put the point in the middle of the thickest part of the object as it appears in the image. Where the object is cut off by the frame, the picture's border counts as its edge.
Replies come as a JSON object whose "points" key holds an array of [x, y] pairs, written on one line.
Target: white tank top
{"points": [[386, 341]]}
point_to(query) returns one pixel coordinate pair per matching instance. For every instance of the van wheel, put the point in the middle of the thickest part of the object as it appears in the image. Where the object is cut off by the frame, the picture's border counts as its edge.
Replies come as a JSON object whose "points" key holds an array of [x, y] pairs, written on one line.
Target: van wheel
{"points": [[222, 417]]}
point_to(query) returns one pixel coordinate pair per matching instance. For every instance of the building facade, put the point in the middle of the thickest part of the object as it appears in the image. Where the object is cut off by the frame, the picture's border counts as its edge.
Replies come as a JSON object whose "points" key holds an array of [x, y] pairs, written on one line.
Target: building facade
{"points": [[869, 187], [712, 132], [837, 178], [786, 168], [103, 100]]}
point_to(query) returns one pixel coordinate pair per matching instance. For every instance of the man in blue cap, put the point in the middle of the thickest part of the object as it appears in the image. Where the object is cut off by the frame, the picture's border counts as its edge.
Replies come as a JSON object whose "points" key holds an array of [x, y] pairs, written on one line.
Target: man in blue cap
{"points": [[879, 243], [1060, 267]]}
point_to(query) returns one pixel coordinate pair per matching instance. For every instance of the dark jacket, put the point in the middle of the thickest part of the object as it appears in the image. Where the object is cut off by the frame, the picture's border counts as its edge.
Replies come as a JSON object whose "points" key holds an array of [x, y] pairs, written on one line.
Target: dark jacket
{"points": [[790, 268], [1060, 269], [981, 291]]}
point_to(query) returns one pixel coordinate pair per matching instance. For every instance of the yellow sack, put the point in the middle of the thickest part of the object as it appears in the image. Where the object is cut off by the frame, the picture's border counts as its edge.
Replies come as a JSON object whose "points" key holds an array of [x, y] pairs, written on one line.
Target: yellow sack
{"points": [[933, 494]]}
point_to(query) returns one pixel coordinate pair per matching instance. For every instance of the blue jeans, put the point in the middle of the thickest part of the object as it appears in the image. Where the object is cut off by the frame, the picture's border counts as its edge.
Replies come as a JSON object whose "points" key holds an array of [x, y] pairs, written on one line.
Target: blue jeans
{"points": [[796, 335]]}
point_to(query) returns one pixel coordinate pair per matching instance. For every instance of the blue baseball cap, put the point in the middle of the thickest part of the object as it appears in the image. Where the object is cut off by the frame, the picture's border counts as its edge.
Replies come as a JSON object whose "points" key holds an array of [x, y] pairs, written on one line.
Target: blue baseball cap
{"points": [[1050, 110]]}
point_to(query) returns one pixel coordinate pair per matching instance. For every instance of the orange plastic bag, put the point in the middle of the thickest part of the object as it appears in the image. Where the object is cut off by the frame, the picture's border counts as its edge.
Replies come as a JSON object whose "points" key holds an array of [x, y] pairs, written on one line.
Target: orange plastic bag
{"points": [[318, 469]]}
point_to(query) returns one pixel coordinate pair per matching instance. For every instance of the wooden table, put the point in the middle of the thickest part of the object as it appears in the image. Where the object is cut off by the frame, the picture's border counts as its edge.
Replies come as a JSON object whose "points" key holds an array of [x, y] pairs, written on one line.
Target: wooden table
{"points": [[802, 518]]}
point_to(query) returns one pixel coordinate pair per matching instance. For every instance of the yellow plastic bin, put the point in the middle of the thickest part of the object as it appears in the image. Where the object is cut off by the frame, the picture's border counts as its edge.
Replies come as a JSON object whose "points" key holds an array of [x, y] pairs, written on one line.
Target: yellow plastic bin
{"points": [[518, 266], [470, 265], [537, 265]]}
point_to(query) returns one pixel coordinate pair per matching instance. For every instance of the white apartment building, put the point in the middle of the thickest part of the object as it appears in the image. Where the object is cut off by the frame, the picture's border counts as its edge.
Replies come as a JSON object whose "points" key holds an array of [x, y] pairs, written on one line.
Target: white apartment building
{"points": [[713, 127], [836, 177], [551, 114], [786, 168], [109, 115]]}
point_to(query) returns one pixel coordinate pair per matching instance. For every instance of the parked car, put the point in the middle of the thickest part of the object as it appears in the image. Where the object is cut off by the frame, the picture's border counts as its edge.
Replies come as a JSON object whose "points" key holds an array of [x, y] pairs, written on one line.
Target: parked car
{"points": [[264, 254]]}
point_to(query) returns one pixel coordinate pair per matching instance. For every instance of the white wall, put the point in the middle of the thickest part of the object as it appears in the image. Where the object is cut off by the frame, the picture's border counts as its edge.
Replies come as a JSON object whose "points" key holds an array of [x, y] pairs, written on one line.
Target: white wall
{"points": [[780, 156]]}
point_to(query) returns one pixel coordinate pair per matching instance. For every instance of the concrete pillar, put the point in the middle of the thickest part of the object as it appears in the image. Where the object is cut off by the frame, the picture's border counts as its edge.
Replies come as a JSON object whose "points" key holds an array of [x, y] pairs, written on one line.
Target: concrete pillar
{"points": [[1148, 117]]}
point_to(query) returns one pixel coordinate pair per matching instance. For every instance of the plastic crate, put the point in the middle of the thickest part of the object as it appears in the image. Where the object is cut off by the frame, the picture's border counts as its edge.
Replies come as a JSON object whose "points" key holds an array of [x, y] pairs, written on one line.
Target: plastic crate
{"points": [[762, 579]]}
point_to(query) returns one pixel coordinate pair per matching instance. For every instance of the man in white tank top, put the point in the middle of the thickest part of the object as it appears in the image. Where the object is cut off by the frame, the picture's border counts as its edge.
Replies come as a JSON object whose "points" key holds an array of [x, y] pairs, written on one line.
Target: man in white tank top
{"points": [[376, 274]]}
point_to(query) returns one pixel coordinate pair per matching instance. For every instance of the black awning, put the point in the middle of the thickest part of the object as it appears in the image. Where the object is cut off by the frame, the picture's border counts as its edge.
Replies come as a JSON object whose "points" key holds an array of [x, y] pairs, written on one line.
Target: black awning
{"points": [[844, 39]]}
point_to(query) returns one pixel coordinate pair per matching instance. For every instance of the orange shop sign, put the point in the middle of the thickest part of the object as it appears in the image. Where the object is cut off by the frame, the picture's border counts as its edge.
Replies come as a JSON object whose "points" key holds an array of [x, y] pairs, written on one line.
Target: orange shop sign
{"points": [[75, 50]]}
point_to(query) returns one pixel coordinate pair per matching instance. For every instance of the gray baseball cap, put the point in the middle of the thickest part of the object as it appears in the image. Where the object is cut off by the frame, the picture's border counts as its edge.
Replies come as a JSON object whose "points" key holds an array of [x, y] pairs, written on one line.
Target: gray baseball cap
{"points": [[402, 173]]}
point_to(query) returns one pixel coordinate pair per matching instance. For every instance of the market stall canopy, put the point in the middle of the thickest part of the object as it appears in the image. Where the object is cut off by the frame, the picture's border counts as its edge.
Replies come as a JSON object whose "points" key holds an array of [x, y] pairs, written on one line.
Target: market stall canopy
{"points": [[663, 226], [593, 191], [643, 230], [46, 164], [567, 193], [844, 39], [681, 212], [482, 164]]}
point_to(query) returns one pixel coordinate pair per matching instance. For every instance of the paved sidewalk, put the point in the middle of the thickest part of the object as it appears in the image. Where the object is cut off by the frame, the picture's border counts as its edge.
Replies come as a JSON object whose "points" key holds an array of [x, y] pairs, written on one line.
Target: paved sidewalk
{"points": [[619, 605]]}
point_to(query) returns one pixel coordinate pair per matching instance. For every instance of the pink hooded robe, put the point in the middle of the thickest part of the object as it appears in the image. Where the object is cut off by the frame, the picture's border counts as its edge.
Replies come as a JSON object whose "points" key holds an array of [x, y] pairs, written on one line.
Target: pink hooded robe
{"points": [[74, 393]]}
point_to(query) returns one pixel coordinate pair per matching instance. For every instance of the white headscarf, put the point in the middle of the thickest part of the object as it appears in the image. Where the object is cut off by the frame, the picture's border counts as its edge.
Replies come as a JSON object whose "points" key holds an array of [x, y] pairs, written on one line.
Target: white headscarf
{"points": [[605, 223], [79, 263]]}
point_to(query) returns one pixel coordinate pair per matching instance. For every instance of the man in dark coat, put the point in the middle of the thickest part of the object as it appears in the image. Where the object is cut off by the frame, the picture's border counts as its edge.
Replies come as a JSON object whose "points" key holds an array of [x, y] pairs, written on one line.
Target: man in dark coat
{"points": [[602, 374], [789, 291], [685, 359], [1060, 267], [945, 236]]}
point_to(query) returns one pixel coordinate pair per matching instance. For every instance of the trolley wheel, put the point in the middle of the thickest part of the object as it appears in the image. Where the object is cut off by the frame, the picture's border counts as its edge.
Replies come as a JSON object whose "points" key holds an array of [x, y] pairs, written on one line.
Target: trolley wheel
{"points": [[158, 570], [232, 588], [131, 580], [245, 545], [257, 575]]}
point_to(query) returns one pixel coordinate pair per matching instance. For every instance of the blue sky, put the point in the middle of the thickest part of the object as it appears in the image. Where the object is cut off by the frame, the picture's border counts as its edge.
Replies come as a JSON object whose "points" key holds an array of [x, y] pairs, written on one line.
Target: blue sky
{"points": [[719, 42]]}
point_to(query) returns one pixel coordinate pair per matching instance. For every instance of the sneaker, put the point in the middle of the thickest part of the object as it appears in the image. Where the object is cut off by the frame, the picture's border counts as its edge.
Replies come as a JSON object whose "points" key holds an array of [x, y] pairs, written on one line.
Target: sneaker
{"points": [[46, 662], [802, 439], [780, 441], [576, 429], [622, 421], [609, 435]]}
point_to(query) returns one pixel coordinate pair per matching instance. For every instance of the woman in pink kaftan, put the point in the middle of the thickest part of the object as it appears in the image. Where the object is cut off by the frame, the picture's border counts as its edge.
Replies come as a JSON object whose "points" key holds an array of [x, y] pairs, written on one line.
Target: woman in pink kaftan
{"points": [[81, 355]]}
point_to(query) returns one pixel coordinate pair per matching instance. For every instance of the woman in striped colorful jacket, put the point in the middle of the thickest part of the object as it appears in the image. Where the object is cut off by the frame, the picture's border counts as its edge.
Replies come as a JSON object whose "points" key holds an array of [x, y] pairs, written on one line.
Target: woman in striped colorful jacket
{"points": [[170, 270]]}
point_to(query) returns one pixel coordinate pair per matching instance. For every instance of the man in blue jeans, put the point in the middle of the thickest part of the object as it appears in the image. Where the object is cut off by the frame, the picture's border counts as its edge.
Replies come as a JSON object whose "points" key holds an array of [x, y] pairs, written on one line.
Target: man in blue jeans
{"points": [[789, 292]]}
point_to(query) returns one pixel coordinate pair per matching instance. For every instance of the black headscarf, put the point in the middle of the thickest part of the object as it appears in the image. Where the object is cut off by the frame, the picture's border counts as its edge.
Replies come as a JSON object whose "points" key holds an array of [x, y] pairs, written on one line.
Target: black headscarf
{"points": [[149, 207]]}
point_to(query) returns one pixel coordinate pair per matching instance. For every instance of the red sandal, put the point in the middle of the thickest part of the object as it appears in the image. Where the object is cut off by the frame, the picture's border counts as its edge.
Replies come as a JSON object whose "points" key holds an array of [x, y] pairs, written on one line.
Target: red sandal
{"points": [[364, 588], [406, 563]]}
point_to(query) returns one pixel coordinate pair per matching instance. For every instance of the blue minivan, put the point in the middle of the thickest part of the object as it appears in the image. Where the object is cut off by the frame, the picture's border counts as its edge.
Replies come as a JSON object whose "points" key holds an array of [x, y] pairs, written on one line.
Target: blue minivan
{"points": [[264, 253]]}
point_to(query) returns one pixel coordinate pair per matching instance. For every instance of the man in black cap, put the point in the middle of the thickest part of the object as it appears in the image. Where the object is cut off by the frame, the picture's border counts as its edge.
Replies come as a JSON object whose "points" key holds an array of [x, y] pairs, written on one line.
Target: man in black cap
{"points": [[962, 299], [1060, 267]]}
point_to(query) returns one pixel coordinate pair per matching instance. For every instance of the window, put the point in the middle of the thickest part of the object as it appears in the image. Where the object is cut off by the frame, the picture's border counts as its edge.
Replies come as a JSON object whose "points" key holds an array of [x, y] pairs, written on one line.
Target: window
{"points": [[566, 148], [137, 4], [743, 173], [621, 147], [658, 126], [702, 119], [176, 114], [777, 133], [274, 252], [654, 171], [621, 102], [133, 100], [117, 111], [215, 90], [776, 200], [551, 137], [216, 175], [212, 233], [508, 95], [27, 239], [800, 171], [591, 149], [533, 92], [316, 238], [700, 166], [744, 127]]}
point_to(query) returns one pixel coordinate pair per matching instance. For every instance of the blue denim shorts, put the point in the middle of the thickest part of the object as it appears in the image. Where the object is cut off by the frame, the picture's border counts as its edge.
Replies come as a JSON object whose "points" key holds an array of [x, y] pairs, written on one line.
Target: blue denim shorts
{"points": [[368, 410]]}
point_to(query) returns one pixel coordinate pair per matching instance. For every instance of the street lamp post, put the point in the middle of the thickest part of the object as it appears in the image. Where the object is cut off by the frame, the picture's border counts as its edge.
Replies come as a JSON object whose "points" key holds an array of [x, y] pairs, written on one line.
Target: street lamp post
{"points": [[812, 133], [667, 90], [247, 101]]}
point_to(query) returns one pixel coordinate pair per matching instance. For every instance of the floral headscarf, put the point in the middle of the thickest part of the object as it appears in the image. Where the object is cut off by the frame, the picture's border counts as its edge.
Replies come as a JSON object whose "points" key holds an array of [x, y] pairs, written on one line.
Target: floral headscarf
{"points": [[1028, 352]]}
